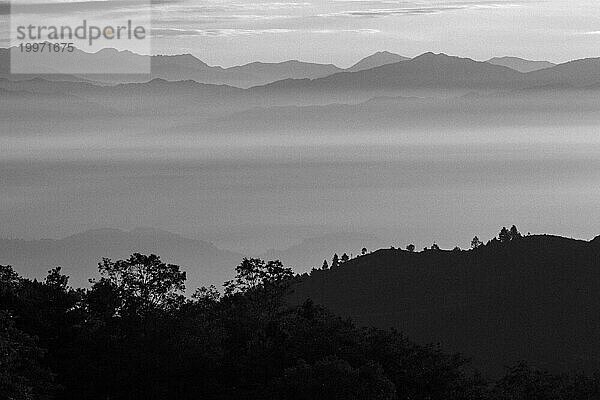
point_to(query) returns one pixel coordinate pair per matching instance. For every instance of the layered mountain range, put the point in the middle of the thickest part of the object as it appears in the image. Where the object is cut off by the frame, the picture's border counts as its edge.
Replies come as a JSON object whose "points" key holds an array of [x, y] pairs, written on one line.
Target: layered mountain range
{"points": [[188, 67], [204, 263], [379, 96]]}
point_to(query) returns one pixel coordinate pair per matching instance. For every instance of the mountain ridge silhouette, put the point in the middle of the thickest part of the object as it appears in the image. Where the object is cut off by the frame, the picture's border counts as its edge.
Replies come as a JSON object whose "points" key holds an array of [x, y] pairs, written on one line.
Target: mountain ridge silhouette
{"points": [[532, 299]]}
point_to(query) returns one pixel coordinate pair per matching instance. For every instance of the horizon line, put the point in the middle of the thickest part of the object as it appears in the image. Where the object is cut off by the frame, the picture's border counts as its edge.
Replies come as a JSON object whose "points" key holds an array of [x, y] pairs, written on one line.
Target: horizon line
{"points": [[537, 60]]}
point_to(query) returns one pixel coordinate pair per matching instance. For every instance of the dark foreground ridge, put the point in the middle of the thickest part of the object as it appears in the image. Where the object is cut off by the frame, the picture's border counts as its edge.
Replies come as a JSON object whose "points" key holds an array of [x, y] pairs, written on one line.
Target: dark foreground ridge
{"points": [[533, 298], [134, 335]]}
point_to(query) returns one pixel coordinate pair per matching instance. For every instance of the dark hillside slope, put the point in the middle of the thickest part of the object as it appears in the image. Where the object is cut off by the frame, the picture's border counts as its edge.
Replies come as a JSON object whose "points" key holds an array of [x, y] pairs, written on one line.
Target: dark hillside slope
{"points": [[534, 299], [577, 73]]}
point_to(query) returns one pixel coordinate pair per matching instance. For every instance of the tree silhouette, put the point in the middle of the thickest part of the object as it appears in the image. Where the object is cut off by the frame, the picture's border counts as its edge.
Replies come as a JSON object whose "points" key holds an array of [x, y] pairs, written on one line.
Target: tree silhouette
{"points": [[410, 247], [524, 382], [476, 243], [363, 251], [140, 284], [345, 258], [254, 273], [250, 343], [504, 235], [22, 376], [325, 265], [333, 378], [207, 295], [514, 233], [56, 280], [335, 262]]}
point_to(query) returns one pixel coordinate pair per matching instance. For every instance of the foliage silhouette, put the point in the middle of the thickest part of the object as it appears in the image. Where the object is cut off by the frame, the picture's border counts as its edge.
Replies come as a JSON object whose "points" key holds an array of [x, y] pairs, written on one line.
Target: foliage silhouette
{"points": [[133, 335], [139, 285], [476, 243], [498, 304], [335, 262]]}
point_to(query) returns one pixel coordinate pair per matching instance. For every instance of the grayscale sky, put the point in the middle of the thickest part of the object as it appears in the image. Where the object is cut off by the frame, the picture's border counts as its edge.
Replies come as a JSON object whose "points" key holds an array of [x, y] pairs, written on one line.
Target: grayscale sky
{"points": [[228, 32]]}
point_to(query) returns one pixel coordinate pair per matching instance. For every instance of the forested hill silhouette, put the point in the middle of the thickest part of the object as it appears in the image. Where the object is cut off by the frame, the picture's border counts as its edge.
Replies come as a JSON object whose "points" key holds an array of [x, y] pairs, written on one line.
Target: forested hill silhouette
{"points": [[133, 334], [529, 298]]}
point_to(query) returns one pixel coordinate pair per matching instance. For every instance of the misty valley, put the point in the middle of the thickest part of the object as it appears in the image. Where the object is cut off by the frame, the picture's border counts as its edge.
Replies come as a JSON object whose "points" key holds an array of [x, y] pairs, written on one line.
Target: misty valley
{"points": [[298, 230]]}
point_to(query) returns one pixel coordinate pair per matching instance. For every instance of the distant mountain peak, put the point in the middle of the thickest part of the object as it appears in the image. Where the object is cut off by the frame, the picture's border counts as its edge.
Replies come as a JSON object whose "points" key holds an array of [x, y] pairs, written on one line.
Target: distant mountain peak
{"points": [[97, 232], [186, 59], [430, 56], [294, 62], [80, 253], [520, 64], [376, 60]]}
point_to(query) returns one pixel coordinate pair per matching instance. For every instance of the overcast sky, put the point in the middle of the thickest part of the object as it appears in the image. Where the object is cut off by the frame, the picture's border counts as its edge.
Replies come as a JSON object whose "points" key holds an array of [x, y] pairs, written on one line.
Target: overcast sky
{"points": [[229, 32]]}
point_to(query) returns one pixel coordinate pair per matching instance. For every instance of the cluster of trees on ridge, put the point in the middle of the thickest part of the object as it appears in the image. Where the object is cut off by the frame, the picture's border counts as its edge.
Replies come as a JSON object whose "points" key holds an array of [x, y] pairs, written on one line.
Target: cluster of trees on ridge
{"points": [[134, 335], [506, 235]]}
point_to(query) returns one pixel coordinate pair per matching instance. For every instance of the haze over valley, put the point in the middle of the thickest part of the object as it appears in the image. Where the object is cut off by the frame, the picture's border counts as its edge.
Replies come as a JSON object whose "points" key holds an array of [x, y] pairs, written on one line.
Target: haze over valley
{"points": [[299, 200], [434, 148]]}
